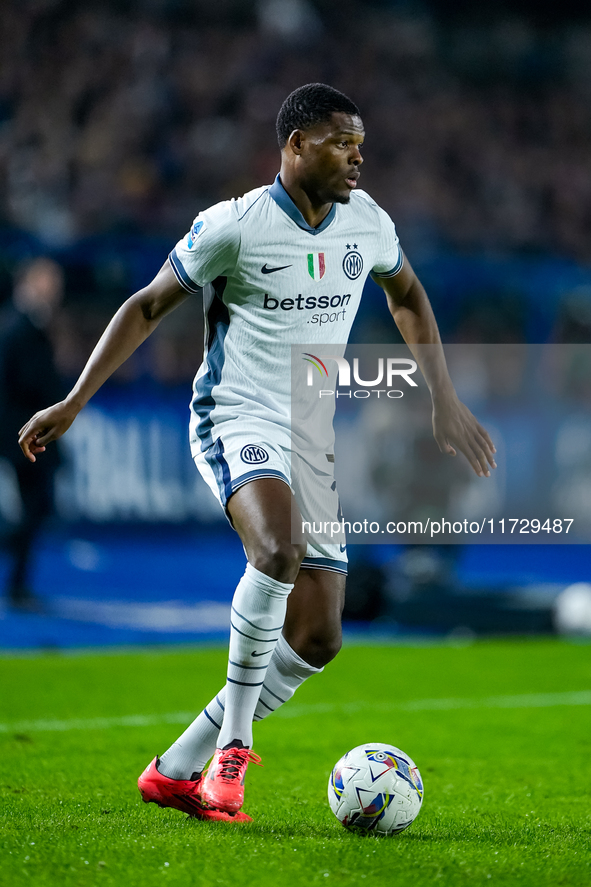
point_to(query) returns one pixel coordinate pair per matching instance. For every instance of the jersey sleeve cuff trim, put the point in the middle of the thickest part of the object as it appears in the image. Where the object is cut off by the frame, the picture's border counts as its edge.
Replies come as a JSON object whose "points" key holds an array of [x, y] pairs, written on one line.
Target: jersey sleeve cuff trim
{"points": [[180, 273], [394, 271]]}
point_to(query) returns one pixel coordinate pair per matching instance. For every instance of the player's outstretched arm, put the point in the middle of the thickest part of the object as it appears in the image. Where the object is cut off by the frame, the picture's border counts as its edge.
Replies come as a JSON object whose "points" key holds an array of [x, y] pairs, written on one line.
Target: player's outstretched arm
{"points": [[454, 426], [132, 324]]}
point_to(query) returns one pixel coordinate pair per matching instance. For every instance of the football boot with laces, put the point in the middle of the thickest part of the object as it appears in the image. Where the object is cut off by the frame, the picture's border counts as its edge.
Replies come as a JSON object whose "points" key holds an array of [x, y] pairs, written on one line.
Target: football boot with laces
{"points": [[222, 786], [182, 794]]}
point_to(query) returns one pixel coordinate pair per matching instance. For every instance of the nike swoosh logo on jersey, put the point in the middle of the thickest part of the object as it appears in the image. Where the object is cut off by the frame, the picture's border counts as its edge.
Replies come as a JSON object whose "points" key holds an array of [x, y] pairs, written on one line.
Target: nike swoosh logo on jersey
{"points": [[259, 654], [266, 270]]}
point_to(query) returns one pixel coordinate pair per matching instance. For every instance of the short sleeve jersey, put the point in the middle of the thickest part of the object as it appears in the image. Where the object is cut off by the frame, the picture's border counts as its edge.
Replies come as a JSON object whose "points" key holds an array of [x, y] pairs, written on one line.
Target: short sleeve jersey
{"points": [[271, 281]]}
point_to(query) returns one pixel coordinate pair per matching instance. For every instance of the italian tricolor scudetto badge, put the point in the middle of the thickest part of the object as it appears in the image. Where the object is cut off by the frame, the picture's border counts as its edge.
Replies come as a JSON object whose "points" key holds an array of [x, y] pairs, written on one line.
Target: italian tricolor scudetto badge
{"points": [[316, 266]]}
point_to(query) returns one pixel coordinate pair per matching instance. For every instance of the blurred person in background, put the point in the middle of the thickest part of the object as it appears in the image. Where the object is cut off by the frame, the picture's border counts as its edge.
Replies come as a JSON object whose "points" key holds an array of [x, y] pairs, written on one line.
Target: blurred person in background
{"points": [[28, 376]]}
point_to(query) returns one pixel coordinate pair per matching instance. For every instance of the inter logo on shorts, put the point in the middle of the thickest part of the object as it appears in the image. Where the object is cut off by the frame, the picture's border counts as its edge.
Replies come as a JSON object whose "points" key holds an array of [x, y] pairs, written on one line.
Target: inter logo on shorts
{"points": [[252, 454], [353, 265], [316, 265]]}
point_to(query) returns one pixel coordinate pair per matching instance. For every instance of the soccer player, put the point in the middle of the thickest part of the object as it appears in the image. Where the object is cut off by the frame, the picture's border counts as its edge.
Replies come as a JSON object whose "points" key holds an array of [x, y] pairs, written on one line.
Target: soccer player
{"points": [[266, 262]]}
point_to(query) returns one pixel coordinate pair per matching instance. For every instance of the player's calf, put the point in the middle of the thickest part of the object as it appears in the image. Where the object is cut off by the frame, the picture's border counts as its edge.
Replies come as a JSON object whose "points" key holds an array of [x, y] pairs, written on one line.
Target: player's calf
{"points": [[313, 621], [317, 648]]}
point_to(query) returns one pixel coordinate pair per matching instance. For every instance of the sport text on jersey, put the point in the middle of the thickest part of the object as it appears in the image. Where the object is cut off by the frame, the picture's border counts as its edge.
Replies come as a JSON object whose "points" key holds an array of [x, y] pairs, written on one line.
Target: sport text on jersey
{"points": [[303, 303]]}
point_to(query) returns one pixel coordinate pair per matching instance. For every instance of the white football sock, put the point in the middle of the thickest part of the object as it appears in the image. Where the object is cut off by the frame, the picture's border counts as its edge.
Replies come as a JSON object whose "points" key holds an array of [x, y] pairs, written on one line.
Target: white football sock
{"points": [[258, 614], [287, 671], [190, 753]]}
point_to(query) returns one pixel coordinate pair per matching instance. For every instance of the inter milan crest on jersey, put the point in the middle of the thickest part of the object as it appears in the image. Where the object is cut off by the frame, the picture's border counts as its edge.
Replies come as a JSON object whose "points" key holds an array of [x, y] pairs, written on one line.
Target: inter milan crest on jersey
{"points": [[316, 266], [352, 263]]}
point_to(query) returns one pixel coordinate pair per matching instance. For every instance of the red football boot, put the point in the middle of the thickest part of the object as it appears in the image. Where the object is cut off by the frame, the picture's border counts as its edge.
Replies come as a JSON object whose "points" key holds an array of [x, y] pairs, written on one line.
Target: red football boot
{"points": [[222, 786], [182, 794]]}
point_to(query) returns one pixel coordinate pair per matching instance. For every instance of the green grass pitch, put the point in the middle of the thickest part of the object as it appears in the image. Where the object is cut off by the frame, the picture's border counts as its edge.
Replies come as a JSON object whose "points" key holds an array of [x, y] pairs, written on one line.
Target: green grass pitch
{"points": [[501, 731]]}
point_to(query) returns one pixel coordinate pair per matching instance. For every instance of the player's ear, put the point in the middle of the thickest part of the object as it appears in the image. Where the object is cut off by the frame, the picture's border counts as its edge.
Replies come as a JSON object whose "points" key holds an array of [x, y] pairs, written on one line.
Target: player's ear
{"points": [[295, 141]]}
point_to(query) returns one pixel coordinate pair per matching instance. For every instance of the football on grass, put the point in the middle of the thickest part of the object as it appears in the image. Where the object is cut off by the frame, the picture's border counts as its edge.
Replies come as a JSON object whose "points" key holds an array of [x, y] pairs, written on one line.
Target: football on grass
{"points": [[375, 788]]}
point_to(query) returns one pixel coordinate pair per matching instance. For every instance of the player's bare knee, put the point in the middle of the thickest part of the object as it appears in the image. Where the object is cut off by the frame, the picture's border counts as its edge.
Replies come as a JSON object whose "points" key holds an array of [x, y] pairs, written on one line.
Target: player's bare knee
{"points": [[280, 560]]}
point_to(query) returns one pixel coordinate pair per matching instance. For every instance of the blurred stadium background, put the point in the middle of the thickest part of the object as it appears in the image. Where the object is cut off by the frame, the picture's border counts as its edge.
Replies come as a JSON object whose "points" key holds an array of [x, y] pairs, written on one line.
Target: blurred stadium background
{"points": [[120, 121]]}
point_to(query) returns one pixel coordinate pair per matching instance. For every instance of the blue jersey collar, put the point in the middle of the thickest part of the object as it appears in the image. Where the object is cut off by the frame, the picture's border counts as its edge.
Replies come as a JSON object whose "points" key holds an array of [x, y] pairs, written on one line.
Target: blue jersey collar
{"points": [[282, 199]]}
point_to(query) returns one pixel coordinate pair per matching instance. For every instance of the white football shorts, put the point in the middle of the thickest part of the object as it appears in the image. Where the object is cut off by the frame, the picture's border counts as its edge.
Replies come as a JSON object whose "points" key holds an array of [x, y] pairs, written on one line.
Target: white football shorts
{"points": [[237, 457]]}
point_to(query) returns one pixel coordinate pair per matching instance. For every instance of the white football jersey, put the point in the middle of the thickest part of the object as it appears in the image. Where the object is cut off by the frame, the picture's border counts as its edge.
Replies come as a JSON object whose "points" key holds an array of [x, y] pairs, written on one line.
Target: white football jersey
{"points": [[271, 281]]}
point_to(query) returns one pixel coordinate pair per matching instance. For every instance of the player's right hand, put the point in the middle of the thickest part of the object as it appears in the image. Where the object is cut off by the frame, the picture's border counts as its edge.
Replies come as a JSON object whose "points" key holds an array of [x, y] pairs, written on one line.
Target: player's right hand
{"points": [[44, 427]]}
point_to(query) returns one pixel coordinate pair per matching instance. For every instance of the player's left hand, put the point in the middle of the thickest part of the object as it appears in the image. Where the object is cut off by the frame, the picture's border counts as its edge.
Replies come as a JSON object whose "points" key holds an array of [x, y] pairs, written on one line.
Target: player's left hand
{"points": [[455, 428]]}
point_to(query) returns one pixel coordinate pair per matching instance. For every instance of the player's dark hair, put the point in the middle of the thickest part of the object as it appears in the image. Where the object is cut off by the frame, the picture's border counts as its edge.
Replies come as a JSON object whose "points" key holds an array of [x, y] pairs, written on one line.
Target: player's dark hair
{"points": [[308, 105]]}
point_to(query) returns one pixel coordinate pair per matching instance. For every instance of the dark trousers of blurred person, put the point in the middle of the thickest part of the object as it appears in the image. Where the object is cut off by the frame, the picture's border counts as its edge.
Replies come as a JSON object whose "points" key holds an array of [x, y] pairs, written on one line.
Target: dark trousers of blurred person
{"points": [[35, 484], [28, 379]]}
